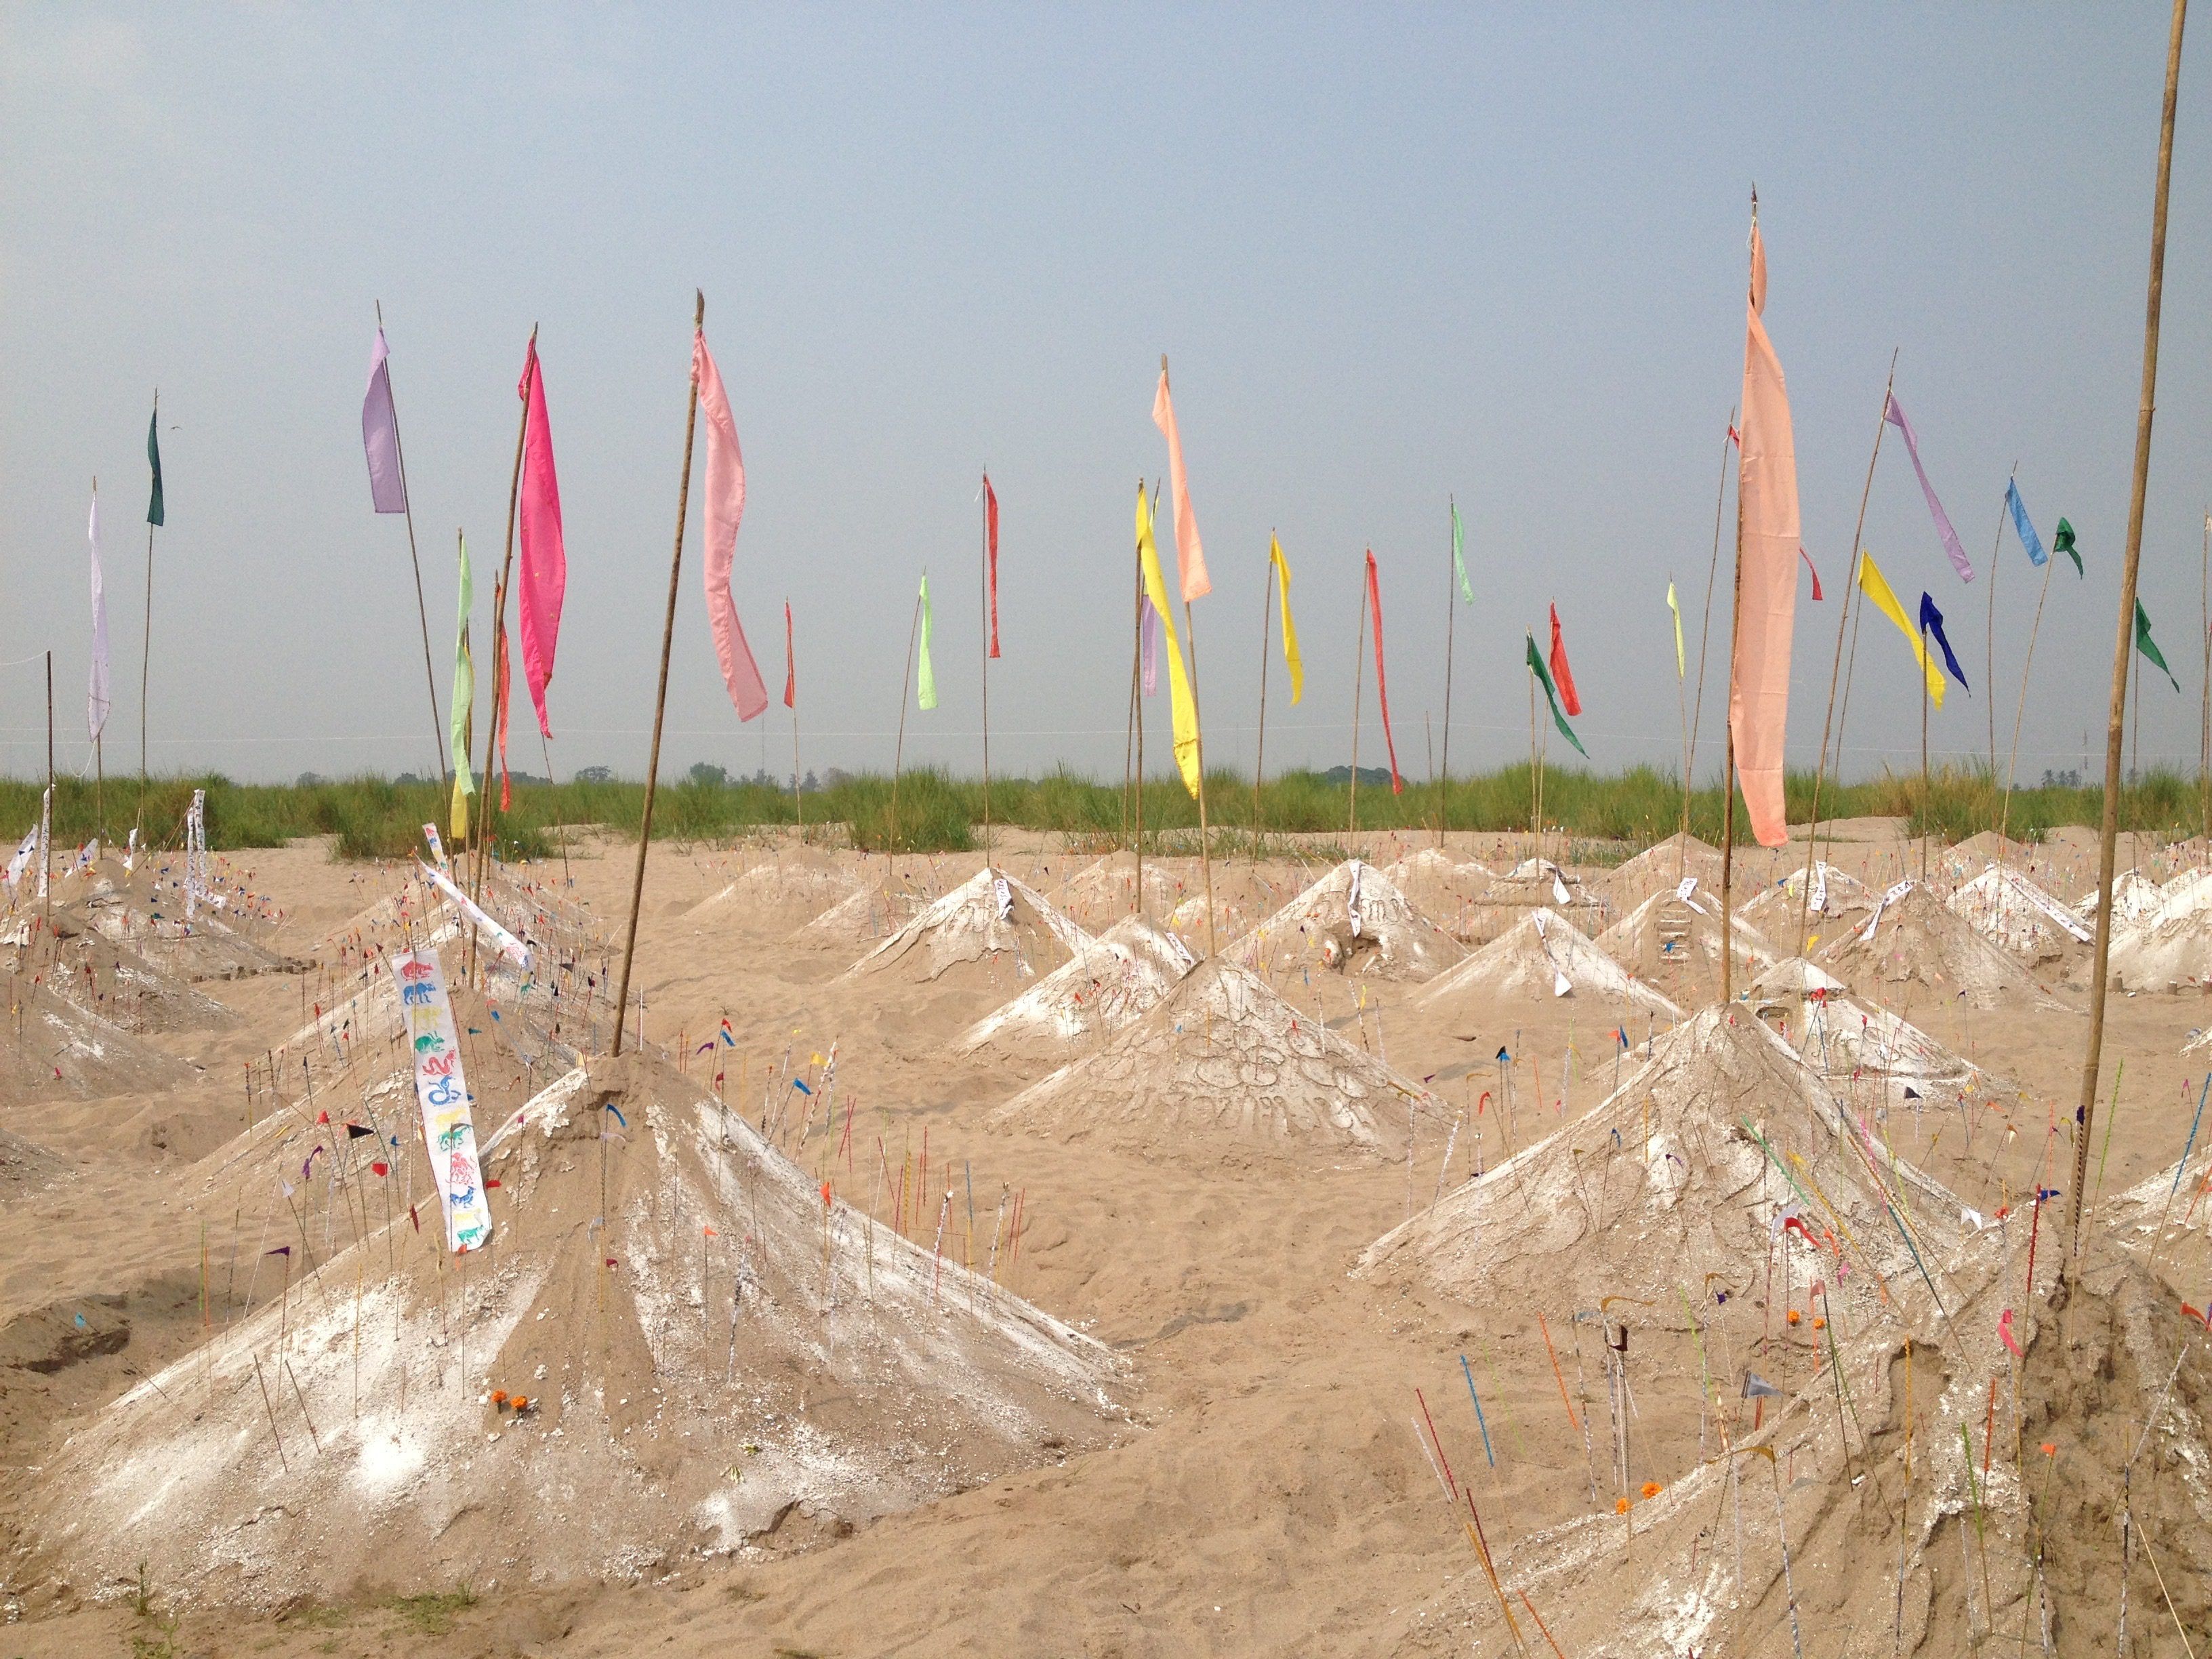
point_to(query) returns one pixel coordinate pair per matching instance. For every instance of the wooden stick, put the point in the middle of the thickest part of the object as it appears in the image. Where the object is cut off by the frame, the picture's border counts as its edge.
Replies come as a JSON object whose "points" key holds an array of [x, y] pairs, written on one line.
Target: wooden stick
{"points": [[1198, 721], [898, 753], [1989, 634], [1728, 761], [2204, 727], [422, 610], [2109, 829], [146, 656], [1451, 627], [1358, 680], [660, 697], [1705, 629], [798, 805], [983, 590], [1267, 623], [2004, 821]]}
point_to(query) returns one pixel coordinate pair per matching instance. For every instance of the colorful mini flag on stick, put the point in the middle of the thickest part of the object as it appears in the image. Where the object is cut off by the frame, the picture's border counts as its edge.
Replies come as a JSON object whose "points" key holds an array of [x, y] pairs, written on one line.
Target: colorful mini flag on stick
{"points": [[1382, 687], [1931, 621], [1544, 678], [1190, 553], [1291, 659], [1872, 585], [1182, 716], [1563, 676], [991, 550], [725, 510], [924, 675], [2031, 543], [2145, 644], [545, 579], [379, 434], [1895, 416]]}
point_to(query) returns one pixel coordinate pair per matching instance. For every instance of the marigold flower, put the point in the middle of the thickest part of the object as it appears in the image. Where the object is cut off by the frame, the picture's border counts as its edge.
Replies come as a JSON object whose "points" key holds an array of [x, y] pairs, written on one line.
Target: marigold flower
{"points": [[1620, 1506], [1652, 1489]]}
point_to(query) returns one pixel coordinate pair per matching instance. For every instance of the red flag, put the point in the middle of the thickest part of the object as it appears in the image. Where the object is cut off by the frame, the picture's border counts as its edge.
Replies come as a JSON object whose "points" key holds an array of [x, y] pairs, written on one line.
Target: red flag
{"points": [[1381, 689], [991, 559], [1809, 565], [790, 663], [1734, 439], [1561, 676]]}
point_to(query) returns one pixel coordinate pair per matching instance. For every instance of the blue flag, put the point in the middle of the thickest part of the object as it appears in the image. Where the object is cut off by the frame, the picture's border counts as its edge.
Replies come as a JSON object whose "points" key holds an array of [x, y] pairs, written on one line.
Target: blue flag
{"points": [[2028, 538], [1931, 621]]}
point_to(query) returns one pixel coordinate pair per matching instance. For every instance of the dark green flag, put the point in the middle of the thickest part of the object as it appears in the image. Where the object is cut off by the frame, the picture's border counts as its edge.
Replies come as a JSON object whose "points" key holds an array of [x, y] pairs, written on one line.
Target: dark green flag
{"points": [[2148, 646], [1536, 667], [154, 514], [2064, 541]]}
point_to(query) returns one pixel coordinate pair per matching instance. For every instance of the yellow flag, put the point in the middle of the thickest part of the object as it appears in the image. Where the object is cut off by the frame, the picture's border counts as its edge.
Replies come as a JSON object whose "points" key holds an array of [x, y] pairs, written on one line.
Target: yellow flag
{"points": [[1183, 711], [1291, 658], [1681, 666], [1872, 585]]}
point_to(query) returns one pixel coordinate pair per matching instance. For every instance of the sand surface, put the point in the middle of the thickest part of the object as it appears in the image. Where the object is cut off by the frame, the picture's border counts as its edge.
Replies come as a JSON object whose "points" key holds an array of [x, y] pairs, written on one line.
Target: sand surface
{"points": [[1254, 1485]]}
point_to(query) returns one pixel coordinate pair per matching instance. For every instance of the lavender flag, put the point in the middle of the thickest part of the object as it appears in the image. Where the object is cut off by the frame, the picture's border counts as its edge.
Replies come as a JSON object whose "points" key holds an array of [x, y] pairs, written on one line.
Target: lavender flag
{"points": [[1895, 416], [380, 435]]}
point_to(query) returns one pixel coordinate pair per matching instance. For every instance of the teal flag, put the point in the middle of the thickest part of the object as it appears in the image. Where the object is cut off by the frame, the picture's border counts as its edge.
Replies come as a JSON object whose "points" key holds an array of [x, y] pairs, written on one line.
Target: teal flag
{"points": [[1551, 696], [925, 678], [1459, 562], [2145, 644], [2064, 541], [154, 513]]}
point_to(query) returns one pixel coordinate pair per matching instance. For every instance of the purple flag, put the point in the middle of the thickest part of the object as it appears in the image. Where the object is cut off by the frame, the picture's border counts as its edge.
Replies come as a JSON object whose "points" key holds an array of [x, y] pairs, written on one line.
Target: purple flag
{"points": [[1149, 637], [379, 436], [1895, 416]]}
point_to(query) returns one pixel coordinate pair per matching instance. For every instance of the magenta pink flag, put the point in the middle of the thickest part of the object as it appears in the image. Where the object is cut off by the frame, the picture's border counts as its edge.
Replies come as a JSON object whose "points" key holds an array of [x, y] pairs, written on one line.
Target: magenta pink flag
{"points": [[1190, 553], [1759, 683], [544, 581], [725, 505]]}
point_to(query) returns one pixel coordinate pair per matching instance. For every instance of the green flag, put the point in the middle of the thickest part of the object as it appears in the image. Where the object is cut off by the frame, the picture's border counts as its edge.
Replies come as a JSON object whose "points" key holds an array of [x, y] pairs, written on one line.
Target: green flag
{"points": [[464, 697], [2064, 541], [1536, 667], [925, 678], [154, 514], [2145, 644], [1459, 563]]}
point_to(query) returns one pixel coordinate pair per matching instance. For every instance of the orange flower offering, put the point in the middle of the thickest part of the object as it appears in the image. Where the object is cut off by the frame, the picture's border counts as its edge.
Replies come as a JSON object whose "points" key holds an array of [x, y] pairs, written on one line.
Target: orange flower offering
{"points": [[1820, 1323], [1620, 1506], [521, 1404], [1652, 1489], [499, 1399], [1794, 1316]]}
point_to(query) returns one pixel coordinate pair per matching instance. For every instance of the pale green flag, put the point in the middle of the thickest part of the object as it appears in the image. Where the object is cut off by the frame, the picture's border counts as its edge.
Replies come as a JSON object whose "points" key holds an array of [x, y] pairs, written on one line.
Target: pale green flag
{"points": [[464, 697], [925, 677], [1459, 562]]}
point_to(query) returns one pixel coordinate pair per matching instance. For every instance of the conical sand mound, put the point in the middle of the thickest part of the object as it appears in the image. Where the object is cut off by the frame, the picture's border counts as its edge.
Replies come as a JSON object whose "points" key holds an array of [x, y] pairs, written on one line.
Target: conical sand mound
{"points": [[1223, 1062], [110, 980], [727, 1362], [780, 890], [2005, 906], [862, 917], [49, 1045], [26, 1166], [1542, 958], [1443, 886], [1357, 911], [1111, 982], [990, 917], [2170, 949], [1837, 898], [1103, 892], [2135, 897], [1858, 1047], [1664, 866], [1673, 945], [1912, 938]]}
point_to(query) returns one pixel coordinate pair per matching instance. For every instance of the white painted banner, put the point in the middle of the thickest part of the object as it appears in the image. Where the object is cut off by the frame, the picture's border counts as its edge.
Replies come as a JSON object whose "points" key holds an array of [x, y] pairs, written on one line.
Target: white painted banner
{"points": [[509, 946], [449, 1133]]}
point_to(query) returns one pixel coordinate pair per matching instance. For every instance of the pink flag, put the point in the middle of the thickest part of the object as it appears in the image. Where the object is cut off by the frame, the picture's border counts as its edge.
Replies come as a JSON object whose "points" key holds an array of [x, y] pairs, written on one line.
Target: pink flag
{"points": [[544, 559], [1758, 688], [380, 435], [1381, 686], [1190, 554], [725, 506]]}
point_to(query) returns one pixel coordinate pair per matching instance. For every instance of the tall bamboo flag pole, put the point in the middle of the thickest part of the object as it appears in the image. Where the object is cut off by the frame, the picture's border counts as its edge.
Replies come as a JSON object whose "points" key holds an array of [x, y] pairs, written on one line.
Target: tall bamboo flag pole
{"points": [[1850, 586], [1706, 629], [422, 610], [898, 752], [1451, 629], [1926, 796], [155, 513], [2019, 712], [1259, 750], [1198, 721], [791, 689], [2123, 647], [1989, 667], [1136, 735], [983, 590], [660, 695], [46, 840], [1728, 753], [2204, 725], [1358, 679]]}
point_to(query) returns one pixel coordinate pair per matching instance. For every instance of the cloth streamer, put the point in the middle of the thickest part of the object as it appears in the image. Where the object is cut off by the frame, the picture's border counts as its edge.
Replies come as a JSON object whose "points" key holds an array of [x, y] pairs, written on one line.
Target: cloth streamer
{"points": [[507, 946], [1816, 572], [1544, 678], [155, 511], [2064, 541], [725, 506], [1563, 676], [1291, 659], [924, 675], [464, 699], [1459, 560], [544, 581], [1149, 640], [96, 699], [1182, 715], [1766, 569], [380, 435], [1872, 585], [441, 1089], [790, 662], [1895, 416], [2145, 644], [1681, 664], [1931, 621], [1381, 686], [991, 554], [2031, 543], [1190, 553]]}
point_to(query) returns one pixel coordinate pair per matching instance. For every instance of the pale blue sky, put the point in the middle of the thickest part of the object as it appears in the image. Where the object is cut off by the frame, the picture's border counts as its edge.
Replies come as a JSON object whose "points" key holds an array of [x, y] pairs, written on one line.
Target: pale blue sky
{"points": [[1395, 252]]}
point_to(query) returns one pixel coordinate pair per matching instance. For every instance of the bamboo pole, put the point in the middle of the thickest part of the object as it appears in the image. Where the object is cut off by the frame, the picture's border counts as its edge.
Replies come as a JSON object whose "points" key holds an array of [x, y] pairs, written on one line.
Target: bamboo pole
{"points": [[422, 610], [1358, 680], [1198, 721], [2019, 713], [1728, 753], [2108, 830], [1259, 751], [1924, 795], [2204, 724], [1989, 634], [898, 751], [1451, 628], [983, 589], [797, 802], [146, 653], [660, 697], [1135, 742], [46, 848], [1706, 629]]}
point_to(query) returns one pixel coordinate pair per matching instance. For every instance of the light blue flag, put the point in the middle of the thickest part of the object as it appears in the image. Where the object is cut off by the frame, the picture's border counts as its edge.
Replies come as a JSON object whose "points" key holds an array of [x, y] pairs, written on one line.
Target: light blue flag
{"points": [[2028, 538]]}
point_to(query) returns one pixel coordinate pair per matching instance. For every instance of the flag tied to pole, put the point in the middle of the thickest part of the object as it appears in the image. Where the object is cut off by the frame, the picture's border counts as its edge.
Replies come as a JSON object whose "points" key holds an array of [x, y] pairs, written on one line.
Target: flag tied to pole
{"points": [[991, 554], [1766, 569], [96, 700], [2029, 540], [1459, 560], [544, 582], [1190, 553], [2145, 644], [725, 508], [380, 435], [1148, 639], [1895, 416], [1563, 676], [1931, 621], [1815, 570], [1872, 585], [790, 662], [155, 513], [925, 677], [2064, 541], [1182, 714], [1544, 678], [1291, 659], [464, 696], [1381, 686], [1681, 665]]}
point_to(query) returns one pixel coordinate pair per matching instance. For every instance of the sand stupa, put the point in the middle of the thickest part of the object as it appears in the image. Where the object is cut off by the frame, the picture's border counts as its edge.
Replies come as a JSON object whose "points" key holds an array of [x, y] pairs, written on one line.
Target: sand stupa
{"points": [[2170, 949], [1838, 898], [1222, 1065], [1544, 959], [1354, 919], [1662, 866], [1911, 939], [1105, 890], [1672, 944], [50, 1045], [2135, 897], [990, 922], [2005, 906], [728, 1365], [1861, 1047], [1445, 886], [785, 891], [85, 966], [1110, 980]]}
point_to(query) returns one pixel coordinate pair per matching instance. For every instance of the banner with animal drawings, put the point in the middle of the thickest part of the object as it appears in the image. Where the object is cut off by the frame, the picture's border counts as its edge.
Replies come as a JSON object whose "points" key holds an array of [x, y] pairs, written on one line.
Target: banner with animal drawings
{"points": [[449, 1133]]}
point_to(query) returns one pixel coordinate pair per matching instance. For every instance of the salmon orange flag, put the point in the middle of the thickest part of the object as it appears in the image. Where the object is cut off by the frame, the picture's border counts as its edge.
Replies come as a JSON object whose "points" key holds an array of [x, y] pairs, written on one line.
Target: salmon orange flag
{"points": [[1183, 713], [1561, 674], [544, 581], [725, 508], [1766, 489], [1381, 686], [1190, 553]]}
